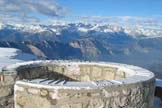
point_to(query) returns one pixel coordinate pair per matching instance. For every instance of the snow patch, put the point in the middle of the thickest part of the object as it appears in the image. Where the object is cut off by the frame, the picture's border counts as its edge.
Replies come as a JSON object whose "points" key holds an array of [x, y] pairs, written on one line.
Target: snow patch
{"points": [[11, 56]]}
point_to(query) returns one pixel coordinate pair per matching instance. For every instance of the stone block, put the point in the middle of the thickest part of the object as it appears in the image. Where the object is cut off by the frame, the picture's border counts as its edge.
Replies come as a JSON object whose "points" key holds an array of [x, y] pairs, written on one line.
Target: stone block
{"points": [[43, 92], [65, 106], [50, 68], [126, 91], [9, 79], [85, 70], [6, 91], [108, 75], [85, 78], [121, 101], [96, 103], [21, 100], [77, 105], [33, 91], [119, 75], [96, 72]]}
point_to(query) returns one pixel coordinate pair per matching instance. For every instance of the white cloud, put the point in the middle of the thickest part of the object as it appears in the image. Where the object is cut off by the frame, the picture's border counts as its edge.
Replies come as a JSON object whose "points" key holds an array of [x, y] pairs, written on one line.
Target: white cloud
{"points": [[16, 19], [23, 9], [33, 10], [117, 19]]}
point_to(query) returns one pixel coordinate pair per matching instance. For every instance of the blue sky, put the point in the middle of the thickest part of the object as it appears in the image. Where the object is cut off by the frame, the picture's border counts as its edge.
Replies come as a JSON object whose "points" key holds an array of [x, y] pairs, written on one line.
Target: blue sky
{"points": [[143, 8], [98, 10]]}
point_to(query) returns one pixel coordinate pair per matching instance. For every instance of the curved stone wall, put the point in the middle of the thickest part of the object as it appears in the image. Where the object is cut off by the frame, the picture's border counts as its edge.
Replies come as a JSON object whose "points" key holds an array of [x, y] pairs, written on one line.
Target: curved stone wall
{"points": [[73, 72], [68, 84]]}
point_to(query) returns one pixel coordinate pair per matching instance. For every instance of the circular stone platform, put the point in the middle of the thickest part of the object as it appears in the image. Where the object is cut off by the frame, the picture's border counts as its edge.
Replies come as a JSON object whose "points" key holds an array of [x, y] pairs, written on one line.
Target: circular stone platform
{"points": [[69, 84]]}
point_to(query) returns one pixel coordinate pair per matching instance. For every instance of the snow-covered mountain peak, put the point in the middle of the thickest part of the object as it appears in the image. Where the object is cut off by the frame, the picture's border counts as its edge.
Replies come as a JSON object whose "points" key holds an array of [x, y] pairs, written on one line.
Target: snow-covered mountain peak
{"points": [[57, 27]]}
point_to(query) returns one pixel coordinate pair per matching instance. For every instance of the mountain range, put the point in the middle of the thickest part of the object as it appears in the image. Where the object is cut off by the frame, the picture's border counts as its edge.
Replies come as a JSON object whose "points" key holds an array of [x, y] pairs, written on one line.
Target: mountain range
{"points": [[139, 45]]}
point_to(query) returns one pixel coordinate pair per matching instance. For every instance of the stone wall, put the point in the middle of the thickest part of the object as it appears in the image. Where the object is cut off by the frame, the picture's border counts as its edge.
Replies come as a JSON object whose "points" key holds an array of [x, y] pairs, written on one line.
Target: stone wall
{"points": [[118, 81], [121, 96], [6, 90], [78, 72]]}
